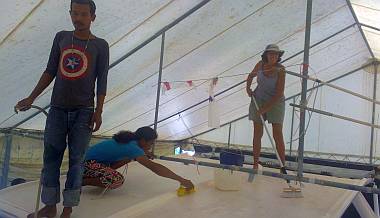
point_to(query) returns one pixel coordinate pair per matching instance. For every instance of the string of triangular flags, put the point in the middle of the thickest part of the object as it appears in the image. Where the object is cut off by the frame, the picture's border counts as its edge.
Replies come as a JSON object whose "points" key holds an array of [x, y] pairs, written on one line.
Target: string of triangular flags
{"points": [[213, 110], [166, 86], [170, 85]]}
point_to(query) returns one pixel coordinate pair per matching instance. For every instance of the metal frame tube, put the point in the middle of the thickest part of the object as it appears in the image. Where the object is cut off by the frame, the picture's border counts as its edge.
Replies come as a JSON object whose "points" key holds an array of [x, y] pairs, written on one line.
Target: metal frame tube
{"points": [[301, 140], [369, 26], [159, 84], [373, 112], [334, 87], [336, 116], [7, 158], [276, 175], [229, 136], [334, 79], [376, 202], [359, 26], [28, 118], [291, 129]]}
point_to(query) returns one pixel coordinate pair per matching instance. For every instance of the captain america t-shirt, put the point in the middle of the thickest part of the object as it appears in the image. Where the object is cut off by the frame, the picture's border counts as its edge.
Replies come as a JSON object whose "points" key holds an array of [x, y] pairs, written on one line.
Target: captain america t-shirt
{"points": [[76, 65]]}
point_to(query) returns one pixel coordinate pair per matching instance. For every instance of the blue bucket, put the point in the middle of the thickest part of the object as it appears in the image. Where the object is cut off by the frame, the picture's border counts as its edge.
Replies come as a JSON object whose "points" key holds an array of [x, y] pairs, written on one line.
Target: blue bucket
{"points": [[229, 157]]}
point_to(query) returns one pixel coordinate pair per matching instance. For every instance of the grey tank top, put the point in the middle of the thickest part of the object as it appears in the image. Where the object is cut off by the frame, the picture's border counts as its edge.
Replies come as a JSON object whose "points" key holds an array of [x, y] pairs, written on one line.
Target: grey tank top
{"points": [[266, 86]]}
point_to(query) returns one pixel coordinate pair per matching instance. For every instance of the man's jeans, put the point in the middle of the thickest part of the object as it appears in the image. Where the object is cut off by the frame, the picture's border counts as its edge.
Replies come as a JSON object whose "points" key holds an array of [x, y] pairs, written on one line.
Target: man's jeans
{"points": [[65, 127]]}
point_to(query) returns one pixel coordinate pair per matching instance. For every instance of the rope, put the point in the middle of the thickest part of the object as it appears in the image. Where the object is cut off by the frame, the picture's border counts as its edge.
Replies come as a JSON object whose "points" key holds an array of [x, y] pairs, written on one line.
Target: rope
{"points": [[188, 129]]}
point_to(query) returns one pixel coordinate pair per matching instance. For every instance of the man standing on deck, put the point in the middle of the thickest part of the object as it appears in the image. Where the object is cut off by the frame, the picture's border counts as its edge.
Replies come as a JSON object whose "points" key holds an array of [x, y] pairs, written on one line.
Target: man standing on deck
{"points": [[77, 60]]}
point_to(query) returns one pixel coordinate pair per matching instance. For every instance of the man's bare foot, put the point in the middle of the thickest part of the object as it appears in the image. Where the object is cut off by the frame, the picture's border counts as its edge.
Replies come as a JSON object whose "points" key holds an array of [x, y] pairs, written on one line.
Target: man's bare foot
{"points": [[66, 213], [47, 211]]}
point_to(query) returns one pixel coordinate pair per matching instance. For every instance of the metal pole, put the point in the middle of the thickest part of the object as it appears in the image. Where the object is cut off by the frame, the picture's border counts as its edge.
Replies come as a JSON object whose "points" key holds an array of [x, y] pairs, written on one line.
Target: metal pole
{"points": [[276, 175], [304, 87], [229, 136], [159, 84], [369, 26], [360, 28], [30, 117], [7, 157], [376, 202], [337, 116], [334, 86], [373, 111], [333, 80], [291, 129]]}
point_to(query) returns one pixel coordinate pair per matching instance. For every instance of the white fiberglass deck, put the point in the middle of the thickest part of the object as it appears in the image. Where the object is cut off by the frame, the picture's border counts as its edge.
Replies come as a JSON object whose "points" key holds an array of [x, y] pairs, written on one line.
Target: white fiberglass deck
{"points": [[146, 195]]}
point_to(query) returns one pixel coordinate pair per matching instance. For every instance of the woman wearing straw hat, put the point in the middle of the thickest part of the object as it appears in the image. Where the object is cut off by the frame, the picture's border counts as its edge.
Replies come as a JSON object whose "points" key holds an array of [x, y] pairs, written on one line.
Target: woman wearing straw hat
{"points": [[269, 95]]}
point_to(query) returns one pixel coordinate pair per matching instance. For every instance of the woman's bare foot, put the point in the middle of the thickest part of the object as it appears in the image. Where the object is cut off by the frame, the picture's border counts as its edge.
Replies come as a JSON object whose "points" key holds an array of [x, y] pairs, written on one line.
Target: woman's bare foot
{"points": [[47, 211], [66, 213]]}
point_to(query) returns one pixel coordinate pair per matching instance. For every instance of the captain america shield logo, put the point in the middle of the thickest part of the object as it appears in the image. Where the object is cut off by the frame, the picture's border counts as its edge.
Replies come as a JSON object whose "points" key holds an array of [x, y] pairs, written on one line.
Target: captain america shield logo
{"points": [[73, 64]]}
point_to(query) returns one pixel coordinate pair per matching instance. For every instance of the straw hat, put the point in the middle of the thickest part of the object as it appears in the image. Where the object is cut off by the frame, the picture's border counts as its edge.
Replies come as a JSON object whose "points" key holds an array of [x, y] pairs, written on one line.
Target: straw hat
{"points": [[274, 48]]}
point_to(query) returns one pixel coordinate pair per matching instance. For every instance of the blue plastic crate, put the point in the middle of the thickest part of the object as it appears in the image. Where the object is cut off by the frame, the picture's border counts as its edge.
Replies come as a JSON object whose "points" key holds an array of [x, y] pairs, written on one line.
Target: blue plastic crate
{"points": [[231, 158]]}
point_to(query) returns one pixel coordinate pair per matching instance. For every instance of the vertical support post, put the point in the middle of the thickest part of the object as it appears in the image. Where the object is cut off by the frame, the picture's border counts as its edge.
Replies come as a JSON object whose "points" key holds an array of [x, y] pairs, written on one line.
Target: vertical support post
{"points": [[229, 136], [305, 70], [159, 84], [376, 202], [375, 65], [292, 129], [6, 162]]}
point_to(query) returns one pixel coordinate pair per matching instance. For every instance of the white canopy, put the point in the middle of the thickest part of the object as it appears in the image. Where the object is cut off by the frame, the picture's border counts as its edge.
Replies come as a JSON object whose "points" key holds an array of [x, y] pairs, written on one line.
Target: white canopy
{"points": [[222, 38]]}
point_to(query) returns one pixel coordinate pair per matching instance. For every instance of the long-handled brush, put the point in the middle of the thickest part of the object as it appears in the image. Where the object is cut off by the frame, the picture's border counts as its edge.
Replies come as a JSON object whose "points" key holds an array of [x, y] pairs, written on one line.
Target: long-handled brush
{"points": [[290, 191]]}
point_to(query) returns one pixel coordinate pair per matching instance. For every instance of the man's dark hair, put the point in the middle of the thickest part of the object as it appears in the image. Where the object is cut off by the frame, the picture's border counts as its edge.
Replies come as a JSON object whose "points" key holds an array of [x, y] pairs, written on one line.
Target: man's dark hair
{"points": [[85, 2]]}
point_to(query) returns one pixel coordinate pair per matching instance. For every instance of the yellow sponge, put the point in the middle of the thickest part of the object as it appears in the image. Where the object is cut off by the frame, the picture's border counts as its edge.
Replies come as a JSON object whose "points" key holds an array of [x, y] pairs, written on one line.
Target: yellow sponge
{"points": [[182, 191]]}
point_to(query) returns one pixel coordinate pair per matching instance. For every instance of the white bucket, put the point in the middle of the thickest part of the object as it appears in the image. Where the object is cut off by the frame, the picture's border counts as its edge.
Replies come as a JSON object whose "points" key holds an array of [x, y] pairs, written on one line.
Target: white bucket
{"points": [[227, 180]]}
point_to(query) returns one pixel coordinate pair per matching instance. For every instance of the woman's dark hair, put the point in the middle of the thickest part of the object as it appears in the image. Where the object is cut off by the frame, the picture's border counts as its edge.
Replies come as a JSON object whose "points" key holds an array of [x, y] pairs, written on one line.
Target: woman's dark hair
{"points": [[264, 57], [145, 133], [85, 2]]}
